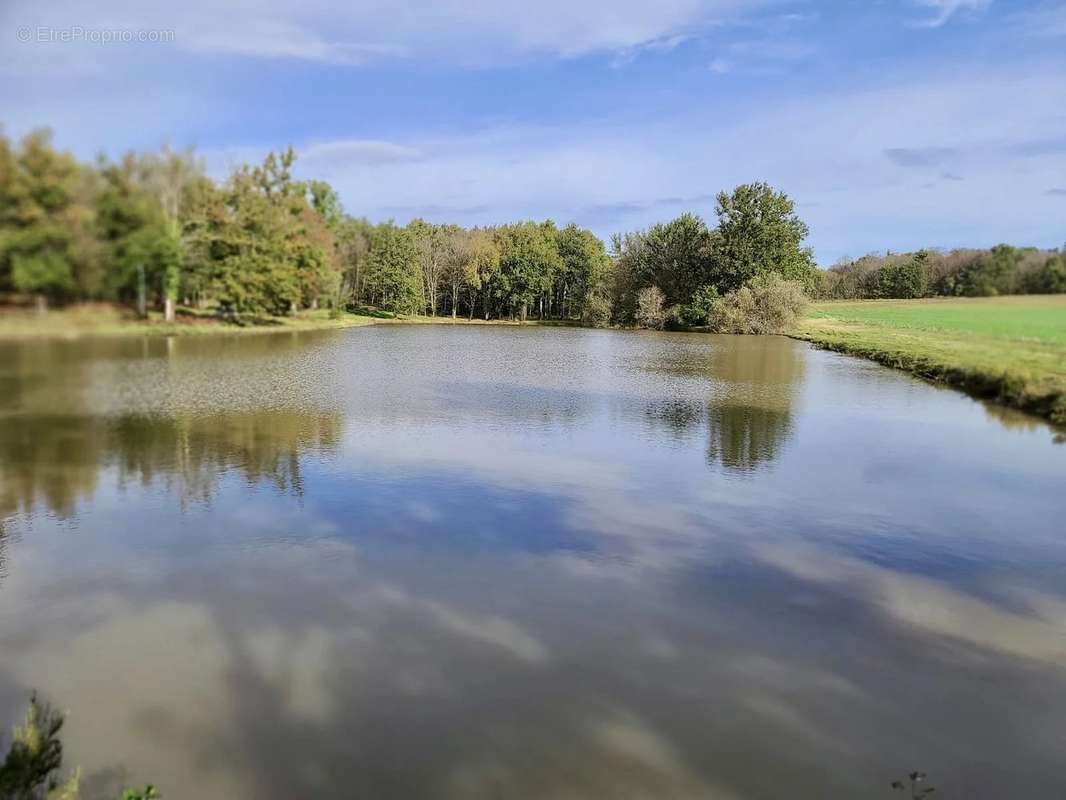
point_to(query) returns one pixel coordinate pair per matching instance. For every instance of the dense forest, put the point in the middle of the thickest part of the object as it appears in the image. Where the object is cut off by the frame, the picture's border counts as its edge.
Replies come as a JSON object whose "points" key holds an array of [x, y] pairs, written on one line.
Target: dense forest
{"points": [[155, 229], [263, 242], [959, 273]]}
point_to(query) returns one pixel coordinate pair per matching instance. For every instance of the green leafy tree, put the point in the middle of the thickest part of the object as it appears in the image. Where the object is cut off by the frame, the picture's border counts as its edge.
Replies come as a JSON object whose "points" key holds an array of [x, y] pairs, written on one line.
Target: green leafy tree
{"points": [[30, 771], [353, 245], [904, 278], [258, 243], [128, 226], [529, 261], [758, 233], [482, 267], [992, 273], [676, 257], [435, 247], [392, 275], [701, 306], [166, 175], [254, 272], [31, 768], [327, 204], [1050, 278], [47, 242], [584, 270], [457, 273], [596, 311]]}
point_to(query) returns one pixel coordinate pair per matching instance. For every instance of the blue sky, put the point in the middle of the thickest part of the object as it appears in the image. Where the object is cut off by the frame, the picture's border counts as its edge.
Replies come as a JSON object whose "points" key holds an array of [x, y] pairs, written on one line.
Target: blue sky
{"points": [[892, 123]]}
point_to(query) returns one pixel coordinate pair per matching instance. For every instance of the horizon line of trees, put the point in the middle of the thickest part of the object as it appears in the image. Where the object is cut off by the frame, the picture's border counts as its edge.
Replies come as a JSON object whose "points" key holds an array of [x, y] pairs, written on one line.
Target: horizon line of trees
{"points": [[964, 272], [154, 228]]}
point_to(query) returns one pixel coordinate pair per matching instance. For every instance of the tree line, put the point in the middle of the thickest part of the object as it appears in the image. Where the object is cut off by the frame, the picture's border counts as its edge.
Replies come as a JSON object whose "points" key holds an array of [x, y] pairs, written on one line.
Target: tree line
{"points": [[153, 228], [959, 273]]}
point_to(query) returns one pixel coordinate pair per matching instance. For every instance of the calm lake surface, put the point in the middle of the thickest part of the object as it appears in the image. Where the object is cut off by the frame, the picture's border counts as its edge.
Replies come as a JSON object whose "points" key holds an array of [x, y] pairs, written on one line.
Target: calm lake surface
{"points": [[449, 562]]}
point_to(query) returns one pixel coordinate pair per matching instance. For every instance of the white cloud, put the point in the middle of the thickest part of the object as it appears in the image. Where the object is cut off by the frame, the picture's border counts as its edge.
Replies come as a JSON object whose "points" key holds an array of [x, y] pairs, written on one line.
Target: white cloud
{"points": [[358, 152], [943, 10], [469, 32], [613, 175]]}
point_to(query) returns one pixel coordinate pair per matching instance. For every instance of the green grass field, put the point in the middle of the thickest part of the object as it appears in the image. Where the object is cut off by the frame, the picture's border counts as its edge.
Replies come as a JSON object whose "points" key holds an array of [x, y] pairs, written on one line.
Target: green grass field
{"points": [[1012, 349]]}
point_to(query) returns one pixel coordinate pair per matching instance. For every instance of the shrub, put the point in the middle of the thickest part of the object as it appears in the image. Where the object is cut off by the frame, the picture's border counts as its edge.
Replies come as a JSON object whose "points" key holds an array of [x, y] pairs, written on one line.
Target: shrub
{"points": [[991, 274], [32, 764], [904, 279], [596, 311], [1049, 279], [765, 304], [650, 302], [673, 319], [30, 770], [701, 306]]}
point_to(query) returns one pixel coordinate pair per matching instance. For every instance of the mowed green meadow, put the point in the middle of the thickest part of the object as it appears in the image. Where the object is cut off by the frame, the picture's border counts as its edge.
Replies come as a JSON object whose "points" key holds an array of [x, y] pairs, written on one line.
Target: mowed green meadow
{"points": [[1012, 349]]}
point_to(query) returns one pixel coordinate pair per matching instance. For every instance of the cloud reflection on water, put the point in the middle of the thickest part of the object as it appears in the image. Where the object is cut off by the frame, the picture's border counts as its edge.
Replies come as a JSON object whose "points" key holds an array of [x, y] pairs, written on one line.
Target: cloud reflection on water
{"points": [[446, 563]]}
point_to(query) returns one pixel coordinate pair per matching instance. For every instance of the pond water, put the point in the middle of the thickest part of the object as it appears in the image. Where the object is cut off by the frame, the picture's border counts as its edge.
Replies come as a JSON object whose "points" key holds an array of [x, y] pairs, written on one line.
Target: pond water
{"points": [[487, 562]]}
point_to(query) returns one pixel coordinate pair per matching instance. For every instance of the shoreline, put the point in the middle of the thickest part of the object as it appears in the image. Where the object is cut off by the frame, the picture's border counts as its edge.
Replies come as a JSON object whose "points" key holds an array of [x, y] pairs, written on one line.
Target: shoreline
{"points": [[65, 326], [1021, 373]]}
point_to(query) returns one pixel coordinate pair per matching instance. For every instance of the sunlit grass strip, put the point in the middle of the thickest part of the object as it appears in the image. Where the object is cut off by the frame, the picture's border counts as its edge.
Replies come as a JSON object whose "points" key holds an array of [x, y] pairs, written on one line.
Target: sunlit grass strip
{"points": [[1011, 350]]}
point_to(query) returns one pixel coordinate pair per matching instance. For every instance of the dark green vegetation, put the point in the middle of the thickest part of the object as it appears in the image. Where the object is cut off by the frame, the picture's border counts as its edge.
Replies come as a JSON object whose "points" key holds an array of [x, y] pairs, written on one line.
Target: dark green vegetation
{"points": [[678, 274], [31, 768], [1010, 349], [960, 273], [153, 230], [179, 252]]}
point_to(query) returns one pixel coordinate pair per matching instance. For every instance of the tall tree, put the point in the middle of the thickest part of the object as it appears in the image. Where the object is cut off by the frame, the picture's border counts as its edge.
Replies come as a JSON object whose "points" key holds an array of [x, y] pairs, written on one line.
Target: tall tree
{"points": [[529, 260], [392, 278], [758, 233], [456, 266], [47, 242], [482, 267], [676, 258], [585, 266], [434, 243], [167, 176], [353, 246]]}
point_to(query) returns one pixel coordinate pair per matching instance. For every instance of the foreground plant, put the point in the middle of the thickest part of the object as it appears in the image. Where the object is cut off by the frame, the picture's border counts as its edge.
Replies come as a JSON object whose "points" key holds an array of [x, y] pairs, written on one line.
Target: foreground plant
{"points": [[30, 770]]}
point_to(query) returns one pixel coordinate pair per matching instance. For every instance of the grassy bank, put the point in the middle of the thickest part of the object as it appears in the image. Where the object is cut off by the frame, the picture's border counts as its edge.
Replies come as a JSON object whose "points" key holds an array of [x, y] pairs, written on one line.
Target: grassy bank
{"points": [[1009, 349], [109, 320]]}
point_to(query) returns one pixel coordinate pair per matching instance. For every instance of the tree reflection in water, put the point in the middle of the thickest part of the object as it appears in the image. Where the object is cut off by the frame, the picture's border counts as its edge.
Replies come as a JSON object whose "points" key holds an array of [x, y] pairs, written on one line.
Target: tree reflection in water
{"points": [[753, 384], [56, 461]]}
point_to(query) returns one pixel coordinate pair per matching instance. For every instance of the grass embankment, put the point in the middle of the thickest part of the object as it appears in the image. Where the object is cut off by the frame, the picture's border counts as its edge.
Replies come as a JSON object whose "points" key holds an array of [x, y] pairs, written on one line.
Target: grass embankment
{"points": [[109, 320], [1009, 349]]}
